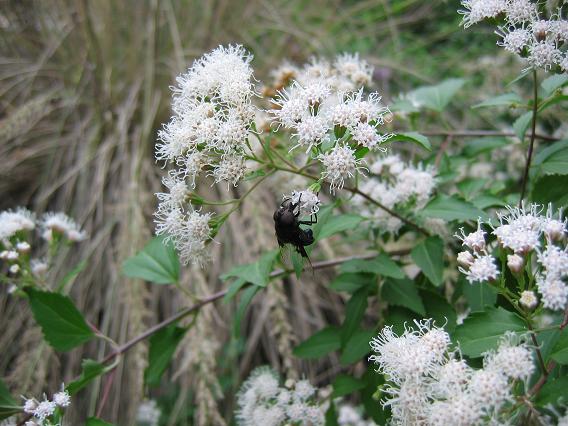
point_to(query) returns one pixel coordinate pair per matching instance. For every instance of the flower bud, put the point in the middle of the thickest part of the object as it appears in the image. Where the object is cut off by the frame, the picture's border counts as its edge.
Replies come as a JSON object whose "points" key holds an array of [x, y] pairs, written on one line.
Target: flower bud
{"points": [[465, 259], [528, 299], [515, 263], [23, 247], [554, 230], [14, 269]]}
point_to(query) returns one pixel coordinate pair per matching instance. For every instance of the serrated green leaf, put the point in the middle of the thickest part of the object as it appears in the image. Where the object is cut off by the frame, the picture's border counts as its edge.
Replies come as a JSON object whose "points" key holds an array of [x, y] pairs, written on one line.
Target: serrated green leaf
{"points": [[157, 263], [478, 146], [429, 256], [438, 96], [163, 345], [479, 295], [257, 273], [556, 163], [345, 384], [403, 293], [522, 123], [319, 344], [356, 347], [451, 208], [551, 189], [508, 99], [338, 224], [413, 137], [8, 405], [481, 331], [89, 371], [381, 265], [560, 349], [93, 421], [61, 323], [553, 392], [354, 312], [351, 282]]}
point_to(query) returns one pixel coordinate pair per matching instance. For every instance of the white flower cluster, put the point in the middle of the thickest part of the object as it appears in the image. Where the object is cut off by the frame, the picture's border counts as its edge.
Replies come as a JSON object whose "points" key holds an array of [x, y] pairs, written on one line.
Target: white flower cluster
{"points": [[522, 232], [430, 385], [351, 416], [262, 401], [213, 115], [397, 185], [541, 42], [148, 413], [42, 410], [328, 113], [16, 239], [308, 202]]}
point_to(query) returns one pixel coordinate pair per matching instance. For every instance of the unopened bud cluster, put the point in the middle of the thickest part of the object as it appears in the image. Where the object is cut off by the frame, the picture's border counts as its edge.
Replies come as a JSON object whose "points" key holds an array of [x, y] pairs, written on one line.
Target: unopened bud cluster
{"points": [[428, 383]]}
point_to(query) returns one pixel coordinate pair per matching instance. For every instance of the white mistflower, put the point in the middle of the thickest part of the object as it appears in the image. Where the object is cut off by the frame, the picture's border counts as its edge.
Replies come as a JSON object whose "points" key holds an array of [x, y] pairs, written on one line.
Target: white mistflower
{"points": [[177, 191], [519, 11], [14, 269], [291, 106], [61, 223], [452, 379], [366, 135], [44, 409], [13, 221], [554, 260], [511, 359], [477, 10], [39, 267], [190, 165], [488, 387], [513, 39], [62, 399], [554, 292], [303, 390], [482, 269], [23, 247], [460, 410], [9, 255], [515, 263], [543, 54], [554, 229], [356, 69], [339, 164], [474, 240], [308, 202], [528, 299], [311, 130], [541, 28], [465, 259], [230, 169], [564, 64], [520, 230], [30, 405]]}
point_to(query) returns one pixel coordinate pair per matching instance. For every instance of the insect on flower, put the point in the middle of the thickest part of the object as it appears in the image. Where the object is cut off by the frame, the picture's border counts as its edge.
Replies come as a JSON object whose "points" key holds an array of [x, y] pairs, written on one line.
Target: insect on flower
{"points": [[287, 225]]}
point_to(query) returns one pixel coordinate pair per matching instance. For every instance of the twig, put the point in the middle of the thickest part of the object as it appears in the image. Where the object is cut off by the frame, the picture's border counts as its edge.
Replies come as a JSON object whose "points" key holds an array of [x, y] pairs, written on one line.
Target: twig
{"points": [[565, 320], [531, 145], [538, 385], [483, 133]]}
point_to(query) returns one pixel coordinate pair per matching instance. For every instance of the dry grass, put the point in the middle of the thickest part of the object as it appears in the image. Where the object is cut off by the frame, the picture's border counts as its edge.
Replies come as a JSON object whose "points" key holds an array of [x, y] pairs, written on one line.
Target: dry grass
{"points": [[84, 87]]}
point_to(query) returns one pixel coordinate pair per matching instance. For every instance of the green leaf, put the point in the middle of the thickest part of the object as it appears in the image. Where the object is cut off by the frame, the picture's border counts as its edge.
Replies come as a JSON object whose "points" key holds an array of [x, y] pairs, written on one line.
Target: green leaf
{"points": [[508, 99], [372, 406], [319, 344], [481, 331], [479, 295], [560, 350], [93, 421], [451, 208], [246, 298], [436, 97], [297, 262], [413, 137], [157, 263], [339, 223], [484, 201], [403, 293], [354, 312], [546, 152], [429, 256], [234, 288], [556, 163], [356, 347], [553, 83], [521, 124], [478, 146], [163, 345], [331, 415], [257, 273], [8, 405], [254, 174], [553, 392], [89, 371], [61, 323], [551, 189], [345, 384], [470, 187], [350, 282], [381, 265]]}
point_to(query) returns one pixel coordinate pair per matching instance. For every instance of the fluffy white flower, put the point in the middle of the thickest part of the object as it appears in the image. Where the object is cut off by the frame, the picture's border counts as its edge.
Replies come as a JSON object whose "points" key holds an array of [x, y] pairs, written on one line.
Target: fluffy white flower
{"points": [[44, 409], [356, 69], [513, 39], [309, 202], [366, 135], [554, 292], [14, 269], [474, 240], [30, 405], [459, 410], [38, 267], [230, 169], [311, 130], [554, 260], [23, 247], [303, 390], [488, 387], [520, 230], [515, 263], [519, 11], [148, 413], [60, 222], [482, 269], [477, 10], [339, 164], [543, 54], [62, 399], [465, 259], [13, 221]]}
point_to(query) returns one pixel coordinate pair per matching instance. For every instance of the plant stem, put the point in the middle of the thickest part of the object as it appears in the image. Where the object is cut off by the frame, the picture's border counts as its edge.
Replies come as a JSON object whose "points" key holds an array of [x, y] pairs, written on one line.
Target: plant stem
{"points": [[533, 136], [482, 133]]}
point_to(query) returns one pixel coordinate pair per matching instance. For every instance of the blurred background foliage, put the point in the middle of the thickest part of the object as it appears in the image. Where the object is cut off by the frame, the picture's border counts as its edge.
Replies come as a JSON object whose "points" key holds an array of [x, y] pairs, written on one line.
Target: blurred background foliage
{"points": [[84, 87]]}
